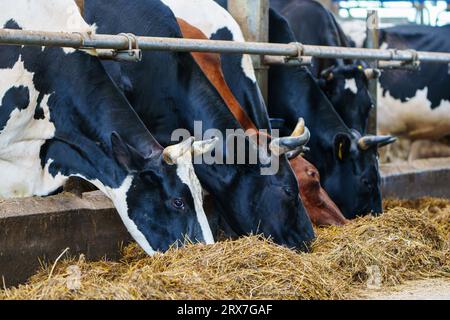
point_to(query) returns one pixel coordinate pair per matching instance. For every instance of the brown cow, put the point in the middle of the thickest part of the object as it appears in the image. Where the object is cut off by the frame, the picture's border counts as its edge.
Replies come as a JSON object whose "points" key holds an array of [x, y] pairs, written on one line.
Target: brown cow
{"points": [[321, 209]]}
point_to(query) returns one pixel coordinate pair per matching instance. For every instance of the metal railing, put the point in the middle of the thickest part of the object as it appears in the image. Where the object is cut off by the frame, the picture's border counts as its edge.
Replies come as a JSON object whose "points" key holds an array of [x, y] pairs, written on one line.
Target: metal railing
{"points": [[292, 50]]}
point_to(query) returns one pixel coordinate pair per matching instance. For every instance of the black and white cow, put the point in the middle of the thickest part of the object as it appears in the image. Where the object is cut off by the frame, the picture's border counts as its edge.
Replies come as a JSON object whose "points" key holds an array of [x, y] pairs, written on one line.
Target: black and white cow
{"points": [[416, 104], [345, 82], [347, 162], [62, 116], [170, 91], [216, 23]]}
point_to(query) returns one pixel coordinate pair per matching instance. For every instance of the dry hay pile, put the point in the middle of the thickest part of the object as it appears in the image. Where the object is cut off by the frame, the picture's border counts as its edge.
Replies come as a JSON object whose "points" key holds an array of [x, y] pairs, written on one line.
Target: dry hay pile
{"points": [[405, 243], [438, 210]]}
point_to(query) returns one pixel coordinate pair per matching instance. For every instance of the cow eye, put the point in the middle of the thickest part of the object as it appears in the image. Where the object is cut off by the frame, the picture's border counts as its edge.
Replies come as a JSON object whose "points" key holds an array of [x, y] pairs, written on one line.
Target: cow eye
{"points": [[289, 191], [178, 203]]}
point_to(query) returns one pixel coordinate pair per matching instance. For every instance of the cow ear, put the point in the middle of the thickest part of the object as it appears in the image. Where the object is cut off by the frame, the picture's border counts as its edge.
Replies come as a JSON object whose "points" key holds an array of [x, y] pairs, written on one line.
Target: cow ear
{"points": [[127, 156], [342, 145]]}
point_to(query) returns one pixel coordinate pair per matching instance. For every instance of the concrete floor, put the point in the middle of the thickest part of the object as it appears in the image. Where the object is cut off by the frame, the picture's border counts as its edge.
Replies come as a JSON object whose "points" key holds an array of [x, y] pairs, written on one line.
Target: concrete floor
{"points": [[429, 289]]}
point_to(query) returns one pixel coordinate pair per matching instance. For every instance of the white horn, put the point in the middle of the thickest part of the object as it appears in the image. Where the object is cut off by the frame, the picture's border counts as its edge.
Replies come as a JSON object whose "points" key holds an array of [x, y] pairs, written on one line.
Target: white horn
{"points": [[372, 74], [172, 153], [204, 146]]}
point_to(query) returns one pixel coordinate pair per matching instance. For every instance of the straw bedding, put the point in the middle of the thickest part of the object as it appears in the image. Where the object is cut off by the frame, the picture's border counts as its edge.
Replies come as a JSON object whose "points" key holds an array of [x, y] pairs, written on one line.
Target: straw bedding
{"points": [[410, 241]]}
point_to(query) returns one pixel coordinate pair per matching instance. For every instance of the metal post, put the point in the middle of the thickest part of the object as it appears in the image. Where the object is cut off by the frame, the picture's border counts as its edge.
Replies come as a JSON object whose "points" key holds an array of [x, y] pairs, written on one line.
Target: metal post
{"points": [[253, 18], [373, 43]]}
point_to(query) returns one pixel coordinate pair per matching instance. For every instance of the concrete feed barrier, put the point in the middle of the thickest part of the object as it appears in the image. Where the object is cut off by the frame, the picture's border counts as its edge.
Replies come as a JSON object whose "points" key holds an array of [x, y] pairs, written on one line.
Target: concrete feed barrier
{"points": [[416, 179], [34, 229]]}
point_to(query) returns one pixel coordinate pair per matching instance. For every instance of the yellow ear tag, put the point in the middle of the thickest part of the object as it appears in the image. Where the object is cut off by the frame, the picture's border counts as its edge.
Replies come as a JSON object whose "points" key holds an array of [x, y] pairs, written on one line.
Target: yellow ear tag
{"points": [[341, 156], [360, 67]]}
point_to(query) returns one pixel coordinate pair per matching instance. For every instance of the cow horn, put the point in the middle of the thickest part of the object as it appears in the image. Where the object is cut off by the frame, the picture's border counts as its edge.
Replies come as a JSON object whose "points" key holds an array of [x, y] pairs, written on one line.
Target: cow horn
{"points": [[300, 136], [367, 142], [260, 151], [327, 75], [172, 153], [255, 147], [372, 74], [299, 129], [295, 153], [204, 146]]}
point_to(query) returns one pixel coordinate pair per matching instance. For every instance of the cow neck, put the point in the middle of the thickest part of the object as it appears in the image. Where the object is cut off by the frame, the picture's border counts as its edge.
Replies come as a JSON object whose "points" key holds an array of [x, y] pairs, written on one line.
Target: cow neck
{"points": [[211, 66], [80, 5]]}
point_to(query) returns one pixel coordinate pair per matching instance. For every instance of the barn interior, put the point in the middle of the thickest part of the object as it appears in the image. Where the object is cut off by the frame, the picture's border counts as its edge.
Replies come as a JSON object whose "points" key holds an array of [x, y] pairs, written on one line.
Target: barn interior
{"points": [[74, 246]]}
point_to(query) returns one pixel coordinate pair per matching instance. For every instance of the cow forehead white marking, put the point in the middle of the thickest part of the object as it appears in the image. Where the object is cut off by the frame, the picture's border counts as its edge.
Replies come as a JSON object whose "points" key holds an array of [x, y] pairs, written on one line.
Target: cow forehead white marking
{"points": [[350, 84], [119, 198], [413, 118], [210, 17], [48, 15], [186, 173]]}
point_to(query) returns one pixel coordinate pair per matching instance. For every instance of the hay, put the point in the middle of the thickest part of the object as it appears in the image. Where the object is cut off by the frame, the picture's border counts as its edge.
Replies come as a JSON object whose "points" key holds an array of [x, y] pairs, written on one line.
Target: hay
{"points": [[250, 267], [438, 210], [403, 244]]}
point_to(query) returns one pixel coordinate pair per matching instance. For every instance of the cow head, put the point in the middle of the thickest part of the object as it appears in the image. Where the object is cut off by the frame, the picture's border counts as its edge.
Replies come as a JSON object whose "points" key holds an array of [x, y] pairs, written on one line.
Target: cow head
{"points": [[353, 179], [268, 204], [321, 209], [164, 197], [154, 190], [348, 173], [346, 86]]}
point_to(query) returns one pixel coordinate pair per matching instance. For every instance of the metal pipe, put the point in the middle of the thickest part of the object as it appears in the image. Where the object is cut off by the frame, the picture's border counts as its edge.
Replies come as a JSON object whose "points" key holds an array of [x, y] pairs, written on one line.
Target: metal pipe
{"points": [[394, 65], [120, 42], [372, 42], [287, 61]]}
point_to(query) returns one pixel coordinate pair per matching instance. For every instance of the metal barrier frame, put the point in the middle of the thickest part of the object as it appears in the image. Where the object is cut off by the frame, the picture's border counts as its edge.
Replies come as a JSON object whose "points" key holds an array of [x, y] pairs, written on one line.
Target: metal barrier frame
{"points": [[294, 50]]}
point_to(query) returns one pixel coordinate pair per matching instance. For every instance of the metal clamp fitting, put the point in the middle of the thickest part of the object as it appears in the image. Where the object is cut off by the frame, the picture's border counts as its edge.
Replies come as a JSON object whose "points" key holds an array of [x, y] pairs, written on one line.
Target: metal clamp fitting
{"points": [[130, 55], [414, 62], [83, 37], [412, 65], [298, 60]]}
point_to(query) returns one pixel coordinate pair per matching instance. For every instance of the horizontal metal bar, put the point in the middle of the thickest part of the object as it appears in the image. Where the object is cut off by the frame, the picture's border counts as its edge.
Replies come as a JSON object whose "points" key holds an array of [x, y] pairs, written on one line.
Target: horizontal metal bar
{"points": [[398, 65], [287, 61], [120, 42]]}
